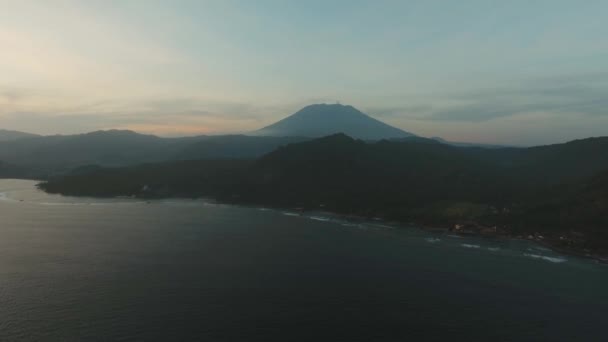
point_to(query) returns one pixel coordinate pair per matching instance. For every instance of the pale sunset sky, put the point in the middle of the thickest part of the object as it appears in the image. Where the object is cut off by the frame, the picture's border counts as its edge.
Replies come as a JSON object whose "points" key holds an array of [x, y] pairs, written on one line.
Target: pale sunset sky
{"points": [[505, 72]]}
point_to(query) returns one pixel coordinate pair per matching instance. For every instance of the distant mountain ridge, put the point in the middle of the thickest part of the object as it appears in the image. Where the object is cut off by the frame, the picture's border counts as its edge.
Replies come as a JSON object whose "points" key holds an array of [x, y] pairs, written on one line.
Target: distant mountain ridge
{"points": [[468, 144], [44, 156], [319, 120], [8, 135]]}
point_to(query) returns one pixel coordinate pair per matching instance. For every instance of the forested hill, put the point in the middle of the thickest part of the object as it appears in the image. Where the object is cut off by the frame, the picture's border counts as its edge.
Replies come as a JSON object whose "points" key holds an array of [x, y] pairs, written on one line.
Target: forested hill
{"points": [[334, 166], [414, 170], [516, 190]]}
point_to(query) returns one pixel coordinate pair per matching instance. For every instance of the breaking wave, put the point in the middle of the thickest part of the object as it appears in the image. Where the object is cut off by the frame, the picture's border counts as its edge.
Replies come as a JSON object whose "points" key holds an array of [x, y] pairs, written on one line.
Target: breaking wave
{"points": [[546, 258]]}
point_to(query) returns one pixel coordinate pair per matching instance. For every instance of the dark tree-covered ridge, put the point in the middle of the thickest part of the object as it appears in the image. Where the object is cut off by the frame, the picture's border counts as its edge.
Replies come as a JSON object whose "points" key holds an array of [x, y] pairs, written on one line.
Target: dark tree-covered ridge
{"points": [[558, 191]]}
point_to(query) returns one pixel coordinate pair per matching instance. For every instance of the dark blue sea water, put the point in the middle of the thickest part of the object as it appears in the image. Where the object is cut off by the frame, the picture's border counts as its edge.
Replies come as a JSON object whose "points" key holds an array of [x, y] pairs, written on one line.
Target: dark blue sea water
{"points": [[184, 270]]}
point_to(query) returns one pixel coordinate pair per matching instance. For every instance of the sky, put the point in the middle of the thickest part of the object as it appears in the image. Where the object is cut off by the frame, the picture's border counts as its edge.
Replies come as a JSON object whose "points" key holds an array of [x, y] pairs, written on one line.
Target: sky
{"points": [[504, 72]]}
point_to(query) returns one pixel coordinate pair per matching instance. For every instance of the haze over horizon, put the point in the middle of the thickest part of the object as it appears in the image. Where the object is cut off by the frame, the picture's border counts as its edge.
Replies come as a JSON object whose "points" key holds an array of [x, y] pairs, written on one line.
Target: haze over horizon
{"points": [[516, 73]]}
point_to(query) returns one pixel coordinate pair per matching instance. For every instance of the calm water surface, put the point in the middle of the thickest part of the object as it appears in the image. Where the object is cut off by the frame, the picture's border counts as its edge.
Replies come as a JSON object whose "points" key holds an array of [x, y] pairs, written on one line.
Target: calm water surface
{"points": [[183, 270]]}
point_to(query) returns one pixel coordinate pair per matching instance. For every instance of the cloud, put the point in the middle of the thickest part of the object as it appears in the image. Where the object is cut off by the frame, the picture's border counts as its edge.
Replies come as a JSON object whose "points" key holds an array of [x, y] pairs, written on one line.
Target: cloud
{"points": [[203, 66], [170, 116], [578, 94], [399, 111], [11, 95]]}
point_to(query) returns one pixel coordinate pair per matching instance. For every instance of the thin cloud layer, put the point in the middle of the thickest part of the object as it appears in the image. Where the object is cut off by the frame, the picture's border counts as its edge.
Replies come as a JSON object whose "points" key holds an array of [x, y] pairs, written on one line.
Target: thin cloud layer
{"points": [[582, 96], [459, 70]]}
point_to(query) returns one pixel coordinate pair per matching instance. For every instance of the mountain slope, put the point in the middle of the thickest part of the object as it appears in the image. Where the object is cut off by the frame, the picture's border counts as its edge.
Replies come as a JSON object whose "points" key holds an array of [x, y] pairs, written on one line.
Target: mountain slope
{"points": [[413, 169], [45, 156], [571, 161], [233, 147], [112, 148], [325, 119], [6, 135], [339, 171]]}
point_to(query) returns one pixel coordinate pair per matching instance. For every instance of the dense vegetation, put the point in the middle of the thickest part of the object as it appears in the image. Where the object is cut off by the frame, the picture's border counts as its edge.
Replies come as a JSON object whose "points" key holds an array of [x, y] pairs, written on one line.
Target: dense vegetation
{"points": [[558, 191], [12, 171]]}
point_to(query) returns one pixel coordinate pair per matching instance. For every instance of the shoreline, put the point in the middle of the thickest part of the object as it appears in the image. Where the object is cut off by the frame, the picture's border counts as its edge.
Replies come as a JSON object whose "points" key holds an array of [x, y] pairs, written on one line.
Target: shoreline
{"points": [[437, 228], [599, 258]]}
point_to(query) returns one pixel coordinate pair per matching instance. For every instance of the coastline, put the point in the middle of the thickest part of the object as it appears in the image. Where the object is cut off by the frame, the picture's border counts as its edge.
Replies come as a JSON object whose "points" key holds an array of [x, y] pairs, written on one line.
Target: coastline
{"points": [[442, 229], [600, 258], [480, 230]]}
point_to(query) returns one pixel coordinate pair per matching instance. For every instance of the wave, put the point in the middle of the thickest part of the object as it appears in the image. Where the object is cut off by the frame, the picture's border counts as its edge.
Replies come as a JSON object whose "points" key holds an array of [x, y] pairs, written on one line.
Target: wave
{"points": [[286, 213], [433, 240], [466, 245], [183, 203], [86, 203], [320, 218], [546, 258], [384, 226], [4, 197]]}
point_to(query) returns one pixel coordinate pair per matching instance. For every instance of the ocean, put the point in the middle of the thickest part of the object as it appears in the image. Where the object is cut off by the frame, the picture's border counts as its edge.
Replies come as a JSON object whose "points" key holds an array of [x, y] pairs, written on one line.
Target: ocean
{"points": [[86, 269]]}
